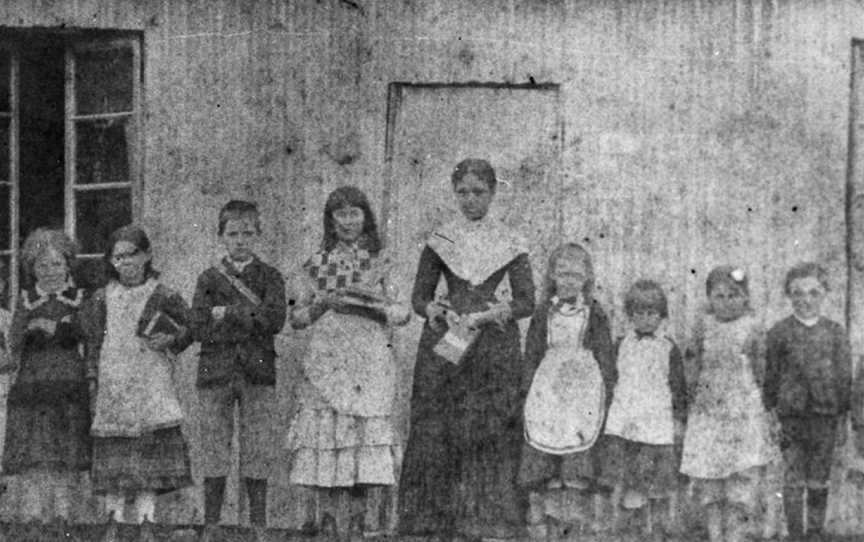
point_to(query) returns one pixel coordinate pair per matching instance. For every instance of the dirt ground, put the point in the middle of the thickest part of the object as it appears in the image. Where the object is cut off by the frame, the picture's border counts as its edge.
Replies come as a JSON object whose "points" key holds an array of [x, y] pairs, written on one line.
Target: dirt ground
{"points": [[169, 533]]}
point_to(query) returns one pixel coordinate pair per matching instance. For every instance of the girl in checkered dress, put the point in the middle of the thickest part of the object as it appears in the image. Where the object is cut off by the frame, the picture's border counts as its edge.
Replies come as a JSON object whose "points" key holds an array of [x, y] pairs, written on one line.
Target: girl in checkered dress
{"points": [[342, 439]]}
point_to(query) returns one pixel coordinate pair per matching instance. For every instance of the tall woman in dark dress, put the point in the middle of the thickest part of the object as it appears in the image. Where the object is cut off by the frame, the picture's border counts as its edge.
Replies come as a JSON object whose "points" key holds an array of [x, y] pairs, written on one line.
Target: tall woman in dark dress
{"points": [[459, 470]]}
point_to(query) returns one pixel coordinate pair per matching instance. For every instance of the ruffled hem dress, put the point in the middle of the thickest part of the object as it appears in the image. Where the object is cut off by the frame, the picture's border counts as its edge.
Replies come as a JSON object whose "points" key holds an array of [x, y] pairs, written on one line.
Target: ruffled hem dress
{"points": [[343, 434]]}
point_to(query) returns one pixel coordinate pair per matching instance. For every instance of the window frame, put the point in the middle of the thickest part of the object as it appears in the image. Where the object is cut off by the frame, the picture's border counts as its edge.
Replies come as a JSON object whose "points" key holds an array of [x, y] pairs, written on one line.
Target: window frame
{"points": [[71, 118], [12, 182]]}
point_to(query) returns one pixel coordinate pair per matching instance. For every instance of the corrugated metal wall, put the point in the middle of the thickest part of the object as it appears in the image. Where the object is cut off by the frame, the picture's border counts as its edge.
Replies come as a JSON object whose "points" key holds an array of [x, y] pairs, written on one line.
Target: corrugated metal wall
{"points": [[697, 132]]}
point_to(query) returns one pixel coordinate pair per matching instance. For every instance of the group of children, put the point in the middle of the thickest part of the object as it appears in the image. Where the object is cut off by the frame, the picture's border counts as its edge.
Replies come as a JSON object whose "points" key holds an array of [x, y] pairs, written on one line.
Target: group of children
{"points": [[93, 384], [92, 374], [760, 401]]}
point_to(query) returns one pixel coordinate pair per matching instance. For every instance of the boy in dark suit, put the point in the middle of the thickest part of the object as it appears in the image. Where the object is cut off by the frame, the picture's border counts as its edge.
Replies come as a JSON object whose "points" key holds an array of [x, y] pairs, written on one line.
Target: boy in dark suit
{"points": [[239, 306], [808, 382]]}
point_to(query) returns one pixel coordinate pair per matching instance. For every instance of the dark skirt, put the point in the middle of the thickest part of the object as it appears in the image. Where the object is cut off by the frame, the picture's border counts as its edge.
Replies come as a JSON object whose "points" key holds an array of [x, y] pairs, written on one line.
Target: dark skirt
{"points": [[157, 461], [649, 468], [47, 428], [581, 469], [462, 455]]}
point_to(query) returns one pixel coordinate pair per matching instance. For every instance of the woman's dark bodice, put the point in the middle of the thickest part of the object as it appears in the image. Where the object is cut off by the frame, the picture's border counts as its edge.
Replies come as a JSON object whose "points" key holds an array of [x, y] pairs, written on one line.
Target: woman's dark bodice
{"points": [[465, 297]]}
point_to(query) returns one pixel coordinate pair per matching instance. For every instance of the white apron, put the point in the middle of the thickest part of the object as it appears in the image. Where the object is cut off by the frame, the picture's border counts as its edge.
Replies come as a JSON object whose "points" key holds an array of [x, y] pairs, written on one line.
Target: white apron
{"points": [[641, 409], [135, 390], [565, 406], [349, 364]]}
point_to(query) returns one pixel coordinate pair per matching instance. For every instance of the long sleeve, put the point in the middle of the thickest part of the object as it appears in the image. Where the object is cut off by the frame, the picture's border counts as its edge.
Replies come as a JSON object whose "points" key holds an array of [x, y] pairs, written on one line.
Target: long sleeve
{"points": [[842, 368], [856, 401], [522, 287], [17, 333], [754, 349], [773, 363], [535, 344], [204, 329], [268, 318], [598, 339], [242, 321], [677, 383], [429, 271], [93, 327]]}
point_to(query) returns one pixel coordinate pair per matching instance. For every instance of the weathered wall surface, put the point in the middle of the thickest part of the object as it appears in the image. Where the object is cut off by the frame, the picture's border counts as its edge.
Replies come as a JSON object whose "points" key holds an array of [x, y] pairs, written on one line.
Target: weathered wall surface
{"points": [[696, 133]]}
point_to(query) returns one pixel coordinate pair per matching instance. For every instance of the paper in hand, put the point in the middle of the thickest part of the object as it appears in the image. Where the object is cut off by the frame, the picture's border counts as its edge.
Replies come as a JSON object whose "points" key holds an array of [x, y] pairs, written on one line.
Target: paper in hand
{"points": [[455, 341]]}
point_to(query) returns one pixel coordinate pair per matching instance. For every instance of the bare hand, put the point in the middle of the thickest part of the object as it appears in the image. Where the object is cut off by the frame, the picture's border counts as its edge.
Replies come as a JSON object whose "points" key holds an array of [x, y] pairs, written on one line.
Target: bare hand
{"points": [[159, 341], [842, 426], [218, 313], [436, 315], [475, 319], [331, 300], [44, 324], [397, 315]]}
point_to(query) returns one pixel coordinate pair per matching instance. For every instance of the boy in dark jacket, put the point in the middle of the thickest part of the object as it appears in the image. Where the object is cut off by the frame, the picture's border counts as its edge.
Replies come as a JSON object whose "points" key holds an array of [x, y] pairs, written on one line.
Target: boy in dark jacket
{"points": [[808, 382], [239, 306]]}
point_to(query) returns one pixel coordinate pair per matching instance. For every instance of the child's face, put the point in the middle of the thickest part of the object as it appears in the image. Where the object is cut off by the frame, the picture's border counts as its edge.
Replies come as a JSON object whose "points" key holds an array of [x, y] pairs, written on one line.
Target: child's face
{"points": [[50, 268], [646, 320], [239, 237], [727, 302], [807, 295], [349, 222], [130, 262], [474, 196], [570, 276]]}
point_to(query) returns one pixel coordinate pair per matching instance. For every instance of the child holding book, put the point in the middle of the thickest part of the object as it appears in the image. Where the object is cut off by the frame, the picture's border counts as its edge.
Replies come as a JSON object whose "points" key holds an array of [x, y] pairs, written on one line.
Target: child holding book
{"points": [[135, 327], [238, 308], [342, 440], [808, 386]]}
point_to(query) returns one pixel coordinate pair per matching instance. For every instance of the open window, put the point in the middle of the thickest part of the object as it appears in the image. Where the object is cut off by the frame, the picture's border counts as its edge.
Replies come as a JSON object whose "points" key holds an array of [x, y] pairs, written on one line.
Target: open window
{"points": [[70, 139]]}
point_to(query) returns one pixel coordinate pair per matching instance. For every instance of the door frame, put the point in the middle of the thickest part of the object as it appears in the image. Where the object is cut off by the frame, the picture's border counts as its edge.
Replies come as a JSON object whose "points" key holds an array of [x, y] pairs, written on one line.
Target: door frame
{"points": [[395, 95], [854, 205]]}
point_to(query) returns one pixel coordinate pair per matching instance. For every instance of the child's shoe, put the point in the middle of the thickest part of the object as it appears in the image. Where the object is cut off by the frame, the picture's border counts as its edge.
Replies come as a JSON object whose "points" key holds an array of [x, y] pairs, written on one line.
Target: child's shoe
{"points": [[212, 532], [329, 529], [633, 500], [110, 533], [538, 532], [355, 529], [145, 532], [310, 528], [554, 483], [576, 483]]}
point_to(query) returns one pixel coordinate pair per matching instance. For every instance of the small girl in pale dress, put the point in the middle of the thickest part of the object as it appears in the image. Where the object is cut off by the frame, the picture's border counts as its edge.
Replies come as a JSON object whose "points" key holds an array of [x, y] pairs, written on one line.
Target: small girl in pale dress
{"points": [[728, 442], [648, 410]]}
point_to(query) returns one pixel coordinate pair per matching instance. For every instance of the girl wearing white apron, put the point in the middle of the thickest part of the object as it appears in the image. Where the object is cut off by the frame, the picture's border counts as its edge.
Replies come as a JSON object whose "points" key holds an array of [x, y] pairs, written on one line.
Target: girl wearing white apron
{"points": [[569, 353]]}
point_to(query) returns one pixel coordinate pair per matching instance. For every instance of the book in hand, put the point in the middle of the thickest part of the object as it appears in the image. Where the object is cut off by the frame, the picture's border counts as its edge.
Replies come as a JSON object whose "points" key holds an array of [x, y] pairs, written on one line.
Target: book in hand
{"points": [[361, 297], [456, 341], [161, 323]]}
